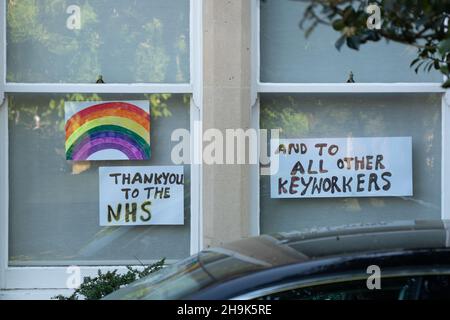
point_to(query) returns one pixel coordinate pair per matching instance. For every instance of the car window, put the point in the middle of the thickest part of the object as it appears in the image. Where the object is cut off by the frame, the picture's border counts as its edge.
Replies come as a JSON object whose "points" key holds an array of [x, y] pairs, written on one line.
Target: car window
{"points": [[399, 288], [185, 277]]}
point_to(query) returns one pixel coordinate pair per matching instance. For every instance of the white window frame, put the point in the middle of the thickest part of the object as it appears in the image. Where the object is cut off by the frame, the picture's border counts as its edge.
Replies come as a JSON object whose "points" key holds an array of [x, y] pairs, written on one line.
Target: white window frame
{"points": [[32, 278], [404, 87]]}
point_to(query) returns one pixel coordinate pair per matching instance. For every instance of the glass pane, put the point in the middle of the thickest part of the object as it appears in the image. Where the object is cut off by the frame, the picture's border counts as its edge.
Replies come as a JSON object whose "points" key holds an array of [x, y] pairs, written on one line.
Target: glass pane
{"points": [[354, 290], [402, 288], [287, 56], [62, 41], [358, 115], [54, 203]]}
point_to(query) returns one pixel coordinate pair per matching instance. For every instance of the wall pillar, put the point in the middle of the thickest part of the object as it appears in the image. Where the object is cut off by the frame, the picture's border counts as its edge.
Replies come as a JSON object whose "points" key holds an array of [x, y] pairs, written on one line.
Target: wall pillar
{"points": [[226, 105]]}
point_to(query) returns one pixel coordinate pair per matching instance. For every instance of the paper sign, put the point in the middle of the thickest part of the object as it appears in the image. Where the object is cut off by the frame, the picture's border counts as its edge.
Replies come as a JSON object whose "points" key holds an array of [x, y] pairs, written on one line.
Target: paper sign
{"points": [[114, 130], [134, 196], [341, 167]]}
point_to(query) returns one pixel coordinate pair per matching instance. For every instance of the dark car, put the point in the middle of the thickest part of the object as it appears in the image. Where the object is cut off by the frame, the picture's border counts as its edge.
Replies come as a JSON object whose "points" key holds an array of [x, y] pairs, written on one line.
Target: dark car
{"points": [[393, 261]]}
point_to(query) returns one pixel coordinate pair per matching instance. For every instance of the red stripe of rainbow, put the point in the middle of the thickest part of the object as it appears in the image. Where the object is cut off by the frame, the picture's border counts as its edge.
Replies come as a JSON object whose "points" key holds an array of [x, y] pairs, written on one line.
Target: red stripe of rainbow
{"points": [[110, 135]]}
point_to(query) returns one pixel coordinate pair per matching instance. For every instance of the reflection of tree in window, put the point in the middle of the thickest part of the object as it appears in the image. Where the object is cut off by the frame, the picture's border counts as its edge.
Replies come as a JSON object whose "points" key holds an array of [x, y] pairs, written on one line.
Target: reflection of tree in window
{"points": [[338, 115], [44, 114], [125, 41], [404, 288]]}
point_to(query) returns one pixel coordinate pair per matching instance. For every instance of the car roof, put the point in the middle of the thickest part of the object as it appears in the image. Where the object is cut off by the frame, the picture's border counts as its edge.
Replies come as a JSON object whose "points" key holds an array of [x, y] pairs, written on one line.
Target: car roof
{"points": [[298, 246], [246, 263]]}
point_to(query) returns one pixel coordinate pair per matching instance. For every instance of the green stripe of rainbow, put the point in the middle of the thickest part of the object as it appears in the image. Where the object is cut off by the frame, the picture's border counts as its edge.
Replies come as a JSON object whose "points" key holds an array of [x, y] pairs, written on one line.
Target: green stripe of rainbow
{"points": [[113, 125]]}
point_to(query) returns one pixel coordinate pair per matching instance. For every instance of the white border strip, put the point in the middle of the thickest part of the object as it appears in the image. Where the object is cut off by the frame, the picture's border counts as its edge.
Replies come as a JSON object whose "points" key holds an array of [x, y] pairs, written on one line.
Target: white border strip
{"points": [[96, 88], [445, 151], [31, 278], [349, 87], [2, 50], [254, 49], [4, 180], [4, 193], [196, 56], [255, 229], [255, 119], [196, 117]]}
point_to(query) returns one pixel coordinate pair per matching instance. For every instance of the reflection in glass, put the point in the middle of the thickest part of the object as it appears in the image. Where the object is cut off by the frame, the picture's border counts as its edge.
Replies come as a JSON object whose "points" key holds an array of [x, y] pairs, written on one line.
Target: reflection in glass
{"points": [[124, 41], [287, 56], [357, 115], [54, 208]]}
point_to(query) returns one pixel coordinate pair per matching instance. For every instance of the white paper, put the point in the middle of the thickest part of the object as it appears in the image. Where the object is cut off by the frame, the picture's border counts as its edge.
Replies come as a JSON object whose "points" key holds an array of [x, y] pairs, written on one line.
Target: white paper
{"points": [[384, 167], [155, 189]]}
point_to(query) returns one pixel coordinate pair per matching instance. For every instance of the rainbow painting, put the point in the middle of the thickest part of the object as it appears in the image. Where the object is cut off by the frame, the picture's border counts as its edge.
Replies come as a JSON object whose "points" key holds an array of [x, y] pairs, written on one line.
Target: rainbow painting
{"points": [[109, 130]]}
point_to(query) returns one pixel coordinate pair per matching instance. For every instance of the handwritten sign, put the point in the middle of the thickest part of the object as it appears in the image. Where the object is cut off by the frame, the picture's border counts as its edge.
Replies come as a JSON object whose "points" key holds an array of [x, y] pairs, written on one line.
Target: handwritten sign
{"points": [[341, 167], [131, 196]]}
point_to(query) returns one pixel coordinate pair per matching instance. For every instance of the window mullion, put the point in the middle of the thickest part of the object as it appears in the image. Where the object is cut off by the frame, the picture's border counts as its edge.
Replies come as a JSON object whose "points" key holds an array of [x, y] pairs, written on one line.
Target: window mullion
{"points": [[4, 192], [3, 50], [445, 166], [4, 183]]}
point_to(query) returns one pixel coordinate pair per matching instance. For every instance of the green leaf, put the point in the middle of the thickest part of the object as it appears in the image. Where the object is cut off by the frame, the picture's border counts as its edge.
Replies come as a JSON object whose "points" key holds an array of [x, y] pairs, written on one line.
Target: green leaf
{"points": [[353, 42], [106, 283], [416, 70], [414, 62], [339, 43], [446, 84], [436, 65], [338, 25], [444, 47]]}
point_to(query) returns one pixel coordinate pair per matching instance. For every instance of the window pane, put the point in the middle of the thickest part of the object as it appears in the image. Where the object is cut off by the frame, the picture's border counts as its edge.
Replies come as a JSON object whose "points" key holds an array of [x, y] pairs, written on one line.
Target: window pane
{"points": [[357, 115], [402, 288], [124, 41], [287, 56], [354, 290], [54, 203]]}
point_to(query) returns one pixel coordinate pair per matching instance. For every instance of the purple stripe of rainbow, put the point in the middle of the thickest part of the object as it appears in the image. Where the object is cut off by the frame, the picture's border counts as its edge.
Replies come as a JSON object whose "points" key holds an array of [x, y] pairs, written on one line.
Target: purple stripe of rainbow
{"points": [[92, 146], [108, 137]]}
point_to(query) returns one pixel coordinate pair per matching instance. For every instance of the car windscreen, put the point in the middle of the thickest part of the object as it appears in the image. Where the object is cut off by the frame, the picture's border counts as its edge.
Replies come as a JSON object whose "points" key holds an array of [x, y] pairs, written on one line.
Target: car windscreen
{"points": [[188, 276]]}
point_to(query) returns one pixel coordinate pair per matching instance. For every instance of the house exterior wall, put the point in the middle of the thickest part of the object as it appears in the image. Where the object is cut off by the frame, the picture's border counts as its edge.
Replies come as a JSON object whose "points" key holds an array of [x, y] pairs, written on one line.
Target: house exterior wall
{"points": [[226, 93]]}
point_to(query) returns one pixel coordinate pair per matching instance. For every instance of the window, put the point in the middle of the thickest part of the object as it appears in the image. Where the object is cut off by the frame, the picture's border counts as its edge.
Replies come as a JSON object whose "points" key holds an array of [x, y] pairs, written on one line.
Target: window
{"points": [[147, 42], [52, 199], [402, 288], [303, 91], [356, 115], [288, 57], [65, 51]]}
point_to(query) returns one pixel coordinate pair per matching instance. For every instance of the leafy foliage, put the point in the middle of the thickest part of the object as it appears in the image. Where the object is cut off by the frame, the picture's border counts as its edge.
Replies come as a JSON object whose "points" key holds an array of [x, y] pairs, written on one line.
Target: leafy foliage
{"points": [[419, 23], [106, 283]]}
